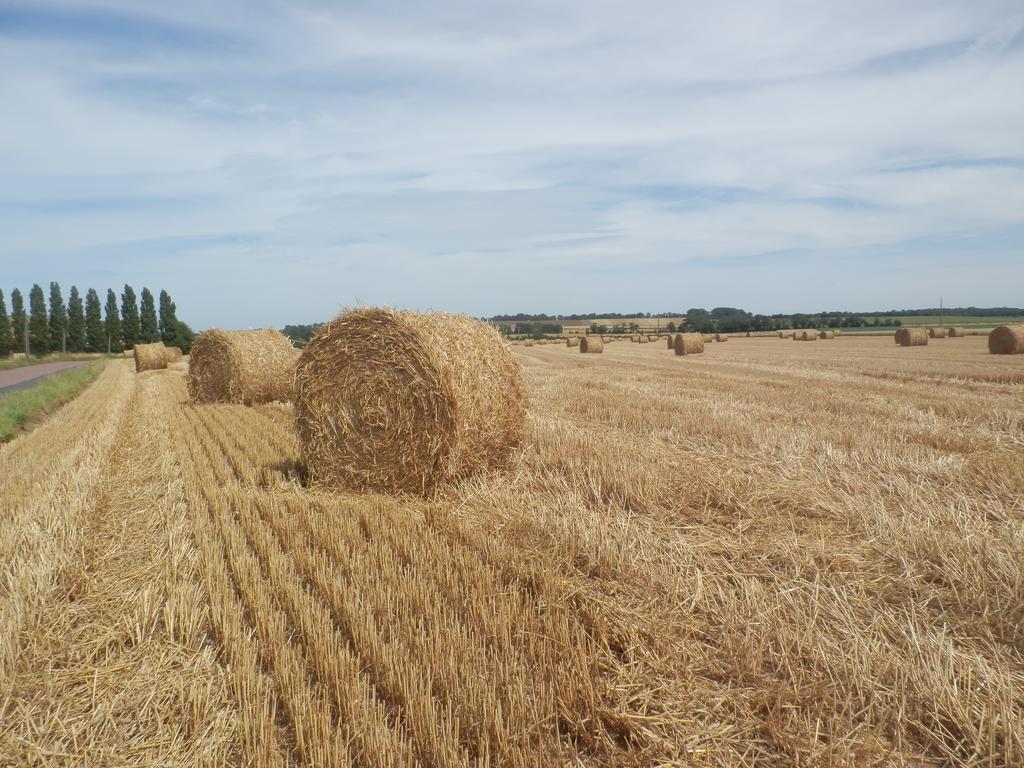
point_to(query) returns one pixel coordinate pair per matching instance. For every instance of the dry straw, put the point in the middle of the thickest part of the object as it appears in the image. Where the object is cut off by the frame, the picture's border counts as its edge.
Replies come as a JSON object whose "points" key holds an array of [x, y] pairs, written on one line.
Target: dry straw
{"points": [[642, 339], [241, 367], [592, 344], [406, 402], [809, 335], [174, 354], [150, 357], [1007, 340], [828, 334], [721, 337], [572, 341], [912, 337], [708, 337], [671, 341], [956, 332], [128, 354], [688, 343], [529, 343], [937, 333]]}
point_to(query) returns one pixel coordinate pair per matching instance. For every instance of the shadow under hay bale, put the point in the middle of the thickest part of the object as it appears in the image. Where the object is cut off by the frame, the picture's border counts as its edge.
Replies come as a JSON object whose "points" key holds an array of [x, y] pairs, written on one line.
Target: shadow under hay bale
{"points": [[912, 337], [244, 367], [150, 357], [406, 402], [1006, 340]]}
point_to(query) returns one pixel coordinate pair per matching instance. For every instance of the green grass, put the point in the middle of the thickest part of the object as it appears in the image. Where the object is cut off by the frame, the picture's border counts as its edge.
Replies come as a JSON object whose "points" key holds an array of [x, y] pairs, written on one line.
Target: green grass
{"points": [[19, 407], [987, 323], [57, 357]]}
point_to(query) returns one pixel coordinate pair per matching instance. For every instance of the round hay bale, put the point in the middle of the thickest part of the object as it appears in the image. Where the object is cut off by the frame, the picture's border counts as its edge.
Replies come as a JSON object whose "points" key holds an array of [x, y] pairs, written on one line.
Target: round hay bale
{"points": [[809, 335], [936, 333], [1007, 340], [642, 339], [956, 332], [827, 335], [173, 354], [150, 357], [708, 337], [592, 344], [128, 354], [529, 343], [671, 341], [688, 343], [722, 337], [912, 337], [652, 338], [244, 367], [408, 402], [572, 341]]}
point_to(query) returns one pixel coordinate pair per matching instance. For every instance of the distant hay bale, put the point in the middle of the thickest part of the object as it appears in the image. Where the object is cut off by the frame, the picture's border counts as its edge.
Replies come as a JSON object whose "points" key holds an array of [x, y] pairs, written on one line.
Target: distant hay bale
{"points": [[721, 337], [150, 357], [529, 343], [912, 337], [635, 339], [827, 335], [572, 341], [956, 332], [246, 367], [592, 344], [748, 334], [406, 402], [708, 337], [128, 354], [936, 333], [642, 340], [807, 335], [671, 341], [688, 343], [1007, 340], [652, 338], [174, 354]]}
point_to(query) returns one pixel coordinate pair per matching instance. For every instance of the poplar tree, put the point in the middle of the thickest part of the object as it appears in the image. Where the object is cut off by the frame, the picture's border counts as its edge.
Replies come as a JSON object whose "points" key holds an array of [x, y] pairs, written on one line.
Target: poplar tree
{"points": [[6, 342], [19, 320], [129, 317], [111, 323], [149, 326], [95, 339], [168, 319], [58, 320], [38, 327], [76, 321]]}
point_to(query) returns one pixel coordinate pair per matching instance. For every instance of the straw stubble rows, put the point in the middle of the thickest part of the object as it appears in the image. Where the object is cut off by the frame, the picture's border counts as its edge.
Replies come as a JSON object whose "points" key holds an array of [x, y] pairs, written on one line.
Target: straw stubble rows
{"points": [[770, 554]]}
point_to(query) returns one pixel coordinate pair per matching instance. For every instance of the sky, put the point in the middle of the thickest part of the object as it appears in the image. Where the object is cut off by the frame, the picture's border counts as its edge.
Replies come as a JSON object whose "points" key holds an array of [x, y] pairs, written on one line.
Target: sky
{"points": [[271, 162]]}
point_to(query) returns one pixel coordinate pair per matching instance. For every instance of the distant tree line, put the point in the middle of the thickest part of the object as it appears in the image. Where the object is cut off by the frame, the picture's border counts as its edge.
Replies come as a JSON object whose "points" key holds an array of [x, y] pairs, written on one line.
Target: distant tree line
{"points": [[301, 333], [86, 326], [588, 316]]}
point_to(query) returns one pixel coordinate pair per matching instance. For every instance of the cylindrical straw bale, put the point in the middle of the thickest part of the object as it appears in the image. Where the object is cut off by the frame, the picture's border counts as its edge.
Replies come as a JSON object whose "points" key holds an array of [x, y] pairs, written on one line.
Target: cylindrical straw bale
{"points": [[406, 402], [688, 343], [592, 344], [150, 357], [1007, 340], [244, 367], [912, 337]]}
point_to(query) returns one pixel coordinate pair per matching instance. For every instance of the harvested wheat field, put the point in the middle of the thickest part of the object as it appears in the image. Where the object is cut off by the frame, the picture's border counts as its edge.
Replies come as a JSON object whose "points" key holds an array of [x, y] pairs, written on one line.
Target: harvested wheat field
{"points": [[765, 555]]}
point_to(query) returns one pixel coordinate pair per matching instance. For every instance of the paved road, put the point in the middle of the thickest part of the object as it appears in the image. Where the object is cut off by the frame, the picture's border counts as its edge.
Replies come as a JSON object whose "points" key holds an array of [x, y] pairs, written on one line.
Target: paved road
{"points": [[17, 378]]}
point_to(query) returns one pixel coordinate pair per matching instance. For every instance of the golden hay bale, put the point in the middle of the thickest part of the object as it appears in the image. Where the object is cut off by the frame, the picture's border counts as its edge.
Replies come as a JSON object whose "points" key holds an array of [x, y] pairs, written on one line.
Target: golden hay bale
{"points": [[128, 354], [688, 343], [912, 337], [1007, 340], [150, 357], [245, 367], [956, 332], [635, 339], [406, 402], [827, 335], [529, 343], [671, 341], [652, 338], [936, 333], [721, 337], [642, 340], [572, 341], [708, 337], [173, 354], [592, 344]]}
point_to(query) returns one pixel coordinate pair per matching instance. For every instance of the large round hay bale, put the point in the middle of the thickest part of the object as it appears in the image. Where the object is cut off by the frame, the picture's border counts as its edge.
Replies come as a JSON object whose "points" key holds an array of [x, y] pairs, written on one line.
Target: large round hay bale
{"points": [[1007, 340], [936, 333], [956, 332], [810, 335], [572, 341], [397, 401], [173, 354], [244, 367], [688, 343], [592, 344], [912, 337], [150, 357]]}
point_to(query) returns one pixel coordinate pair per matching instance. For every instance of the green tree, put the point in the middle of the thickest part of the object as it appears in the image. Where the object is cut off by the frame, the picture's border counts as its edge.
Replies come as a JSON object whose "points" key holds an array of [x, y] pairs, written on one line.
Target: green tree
{"points": [[38, 326], [76, 321], [111, 324], [149, 326], [95, 339], [19, 320], [129, 317], [6, 342], [183, 337], [58, 320], [168, 319]]}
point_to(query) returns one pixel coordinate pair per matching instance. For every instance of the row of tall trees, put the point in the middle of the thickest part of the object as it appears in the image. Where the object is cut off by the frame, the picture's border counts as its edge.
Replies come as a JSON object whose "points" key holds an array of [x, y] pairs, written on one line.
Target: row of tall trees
{"points": [[86, 325]]}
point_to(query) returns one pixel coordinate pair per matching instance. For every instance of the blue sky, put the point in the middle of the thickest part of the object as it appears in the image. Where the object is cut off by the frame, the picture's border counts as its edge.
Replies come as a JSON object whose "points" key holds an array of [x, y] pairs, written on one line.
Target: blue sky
{"points": [[273, 162]]}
